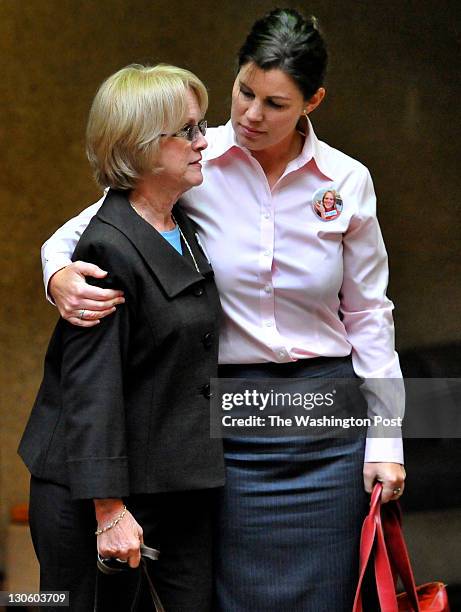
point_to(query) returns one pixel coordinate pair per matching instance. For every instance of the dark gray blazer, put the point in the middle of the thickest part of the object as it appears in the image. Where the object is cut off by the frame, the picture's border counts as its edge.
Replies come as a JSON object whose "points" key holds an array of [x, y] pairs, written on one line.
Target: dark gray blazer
{"points": [[124, 406]]}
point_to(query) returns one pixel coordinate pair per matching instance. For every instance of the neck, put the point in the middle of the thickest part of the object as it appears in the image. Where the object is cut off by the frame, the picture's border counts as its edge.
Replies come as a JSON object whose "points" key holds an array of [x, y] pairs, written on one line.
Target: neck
{"points": [[154, 205], [275, 159]]}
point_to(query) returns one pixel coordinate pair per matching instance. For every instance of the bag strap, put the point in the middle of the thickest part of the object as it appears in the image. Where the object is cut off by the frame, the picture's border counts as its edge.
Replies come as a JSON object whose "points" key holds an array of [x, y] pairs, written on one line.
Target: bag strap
{"points": [[146, 553], [367, 539], [397, 549], [385, 580], [104, 565], [382, 531], [155, 598], [372, 538], [149, 553]]}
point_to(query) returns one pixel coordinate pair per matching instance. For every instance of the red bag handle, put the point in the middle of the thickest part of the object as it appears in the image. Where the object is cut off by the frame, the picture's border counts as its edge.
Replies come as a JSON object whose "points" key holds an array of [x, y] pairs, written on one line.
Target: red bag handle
{"points": [[397, 549], [382, 532], [370, 534]]}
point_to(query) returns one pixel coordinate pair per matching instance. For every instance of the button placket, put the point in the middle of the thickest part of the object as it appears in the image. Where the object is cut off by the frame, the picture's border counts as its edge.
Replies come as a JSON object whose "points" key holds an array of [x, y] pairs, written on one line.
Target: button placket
{"points": [[267, 290], [267, 307]]}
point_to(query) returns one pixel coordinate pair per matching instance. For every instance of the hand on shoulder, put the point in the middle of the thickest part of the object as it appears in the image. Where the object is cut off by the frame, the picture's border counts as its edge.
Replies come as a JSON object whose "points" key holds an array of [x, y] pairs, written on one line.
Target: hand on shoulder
{"points": [[78, 302]]}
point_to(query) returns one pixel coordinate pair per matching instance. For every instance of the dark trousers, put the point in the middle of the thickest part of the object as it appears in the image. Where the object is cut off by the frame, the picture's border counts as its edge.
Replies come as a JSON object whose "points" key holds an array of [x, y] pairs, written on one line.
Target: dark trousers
{"points": [[178, 524]]}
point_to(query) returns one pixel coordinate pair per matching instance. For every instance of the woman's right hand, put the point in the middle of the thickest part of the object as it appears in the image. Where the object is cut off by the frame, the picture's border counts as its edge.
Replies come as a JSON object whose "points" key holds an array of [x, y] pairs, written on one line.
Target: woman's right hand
{"points": [[320, 207], [72, 294]]}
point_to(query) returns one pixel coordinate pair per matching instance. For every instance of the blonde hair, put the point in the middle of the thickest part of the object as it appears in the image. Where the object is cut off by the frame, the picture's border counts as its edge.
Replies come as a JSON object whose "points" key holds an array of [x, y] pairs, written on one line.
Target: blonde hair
{"points": [[130, 111]]}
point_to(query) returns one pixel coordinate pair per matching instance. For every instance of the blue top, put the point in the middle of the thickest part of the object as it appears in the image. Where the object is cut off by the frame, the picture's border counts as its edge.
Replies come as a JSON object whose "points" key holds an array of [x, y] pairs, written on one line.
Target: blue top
{"points": [[174, 238]]}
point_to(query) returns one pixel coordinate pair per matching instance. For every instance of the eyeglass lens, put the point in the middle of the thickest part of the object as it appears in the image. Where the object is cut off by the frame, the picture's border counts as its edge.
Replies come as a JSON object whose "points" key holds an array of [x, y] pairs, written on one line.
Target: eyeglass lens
{"points": [[191, 132]]}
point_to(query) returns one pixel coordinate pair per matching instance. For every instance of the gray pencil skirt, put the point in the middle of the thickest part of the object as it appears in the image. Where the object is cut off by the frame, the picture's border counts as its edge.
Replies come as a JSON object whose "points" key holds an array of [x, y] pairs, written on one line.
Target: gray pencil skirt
{"points": [[289, 518]]}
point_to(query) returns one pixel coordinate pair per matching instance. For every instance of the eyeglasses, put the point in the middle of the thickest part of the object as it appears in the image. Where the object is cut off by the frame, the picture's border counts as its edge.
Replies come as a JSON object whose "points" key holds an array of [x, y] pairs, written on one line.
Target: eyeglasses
{"points": [[190, 132]]}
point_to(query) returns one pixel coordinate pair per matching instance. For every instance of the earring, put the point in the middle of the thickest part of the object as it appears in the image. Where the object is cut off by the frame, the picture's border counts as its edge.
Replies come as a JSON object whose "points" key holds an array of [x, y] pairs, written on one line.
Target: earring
{"points": [[305, 113]]}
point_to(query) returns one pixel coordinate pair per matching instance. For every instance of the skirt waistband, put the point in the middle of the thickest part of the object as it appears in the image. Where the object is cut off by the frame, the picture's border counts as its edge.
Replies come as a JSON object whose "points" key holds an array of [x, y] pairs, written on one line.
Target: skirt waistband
{"points": [[333, 367]]}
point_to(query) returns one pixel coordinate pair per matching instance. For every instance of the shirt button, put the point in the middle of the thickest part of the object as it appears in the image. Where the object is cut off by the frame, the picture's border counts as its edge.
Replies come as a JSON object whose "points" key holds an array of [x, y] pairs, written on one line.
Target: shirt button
{"points": [[208, 340], [268, 289], [267, 215], [268, 323], [267, 253], [281, 354]]}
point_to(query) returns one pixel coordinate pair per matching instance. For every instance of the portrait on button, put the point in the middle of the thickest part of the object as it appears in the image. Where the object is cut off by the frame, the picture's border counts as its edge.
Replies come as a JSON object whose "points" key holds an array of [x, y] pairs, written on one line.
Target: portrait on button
{"points": [[327, 204]]}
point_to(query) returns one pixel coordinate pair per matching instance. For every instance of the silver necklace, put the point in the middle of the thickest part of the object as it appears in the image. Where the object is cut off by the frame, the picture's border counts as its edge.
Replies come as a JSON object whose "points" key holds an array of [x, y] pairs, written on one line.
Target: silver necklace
{"points": [[138, 212], [180, 231]]}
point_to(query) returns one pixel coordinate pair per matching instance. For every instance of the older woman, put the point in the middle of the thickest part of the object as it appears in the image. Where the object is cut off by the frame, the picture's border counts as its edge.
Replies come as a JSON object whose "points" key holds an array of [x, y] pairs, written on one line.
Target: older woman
{"points": [[302, 298], [117, 442]]}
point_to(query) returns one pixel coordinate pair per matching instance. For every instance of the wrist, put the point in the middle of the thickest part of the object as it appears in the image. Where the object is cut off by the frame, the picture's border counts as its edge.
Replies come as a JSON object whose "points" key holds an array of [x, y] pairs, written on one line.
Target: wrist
{"points": [[106, 508], [49, 273], [107, 522]]}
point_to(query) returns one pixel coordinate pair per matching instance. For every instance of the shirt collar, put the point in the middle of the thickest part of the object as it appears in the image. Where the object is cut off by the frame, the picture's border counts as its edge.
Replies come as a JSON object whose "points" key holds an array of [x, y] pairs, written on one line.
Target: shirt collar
{"points": [[224, 140], [316, 150]]}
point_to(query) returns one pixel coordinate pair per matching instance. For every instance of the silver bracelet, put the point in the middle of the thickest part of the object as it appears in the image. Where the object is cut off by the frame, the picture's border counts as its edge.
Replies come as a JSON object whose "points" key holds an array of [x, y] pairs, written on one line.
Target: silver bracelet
{"points": [[116, 520]]}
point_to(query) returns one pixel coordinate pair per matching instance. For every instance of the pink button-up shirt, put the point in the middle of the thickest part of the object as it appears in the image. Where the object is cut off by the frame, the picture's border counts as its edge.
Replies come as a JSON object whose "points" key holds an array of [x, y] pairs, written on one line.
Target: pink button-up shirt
{"points": [[292, 285]]}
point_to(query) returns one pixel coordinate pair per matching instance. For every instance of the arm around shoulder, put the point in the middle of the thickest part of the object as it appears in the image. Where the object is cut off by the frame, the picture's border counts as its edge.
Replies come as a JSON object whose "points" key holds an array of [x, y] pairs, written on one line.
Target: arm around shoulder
{"points": [[77, 301], [57, 251]]}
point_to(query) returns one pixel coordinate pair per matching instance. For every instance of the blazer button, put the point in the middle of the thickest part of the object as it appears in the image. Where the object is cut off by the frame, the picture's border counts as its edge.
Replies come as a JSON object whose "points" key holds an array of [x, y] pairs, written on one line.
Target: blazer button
{"points": [[208, 340], [206, 391], [198, 290]]}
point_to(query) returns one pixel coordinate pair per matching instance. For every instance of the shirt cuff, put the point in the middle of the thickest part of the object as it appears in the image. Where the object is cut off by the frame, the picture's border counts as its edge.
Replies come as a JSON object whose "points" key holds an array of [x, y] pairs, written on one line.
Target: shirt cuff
{"points": [[50, 268], [384, 450]]}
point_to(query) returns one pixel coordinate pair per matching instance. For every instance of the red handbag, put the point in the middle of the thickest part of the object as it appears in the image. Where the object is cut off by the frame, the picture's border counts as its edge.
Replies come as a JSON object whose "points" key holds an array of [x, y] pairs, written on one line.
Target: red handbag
{"points": [[382, 533]]}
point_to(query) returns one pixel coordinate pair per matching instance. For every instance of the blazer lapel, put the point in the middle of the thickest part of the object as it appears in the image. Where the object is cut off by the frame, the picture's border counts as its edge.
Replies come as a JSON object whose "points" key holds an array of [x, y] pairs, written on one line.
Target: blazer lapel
{"points": [[189, 230], [174, 272]]}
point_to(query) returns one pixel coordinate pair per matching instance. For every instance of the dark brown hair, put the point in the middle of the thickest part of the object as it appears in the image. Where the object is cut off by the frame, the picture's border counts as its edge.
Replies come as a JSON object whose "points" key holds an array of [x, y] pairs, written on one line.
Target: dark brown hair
{"points": [[286, 40]]}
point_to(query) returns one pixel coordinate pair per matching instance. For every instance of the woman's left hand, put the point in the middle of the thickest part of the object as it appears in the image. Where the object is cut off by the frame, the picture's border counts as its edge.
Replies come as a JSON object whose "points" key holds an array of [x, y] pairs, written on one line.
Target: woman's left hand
{"points": [[122, 540], [392, 476]]}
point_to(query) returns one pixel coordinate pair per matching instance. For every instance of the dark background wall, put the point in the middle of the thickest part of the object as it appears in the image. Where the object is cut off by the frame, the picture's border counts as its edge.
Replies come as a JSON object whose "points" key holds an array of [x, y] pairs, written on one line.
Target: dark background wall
{"points": [[392, 102]]}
